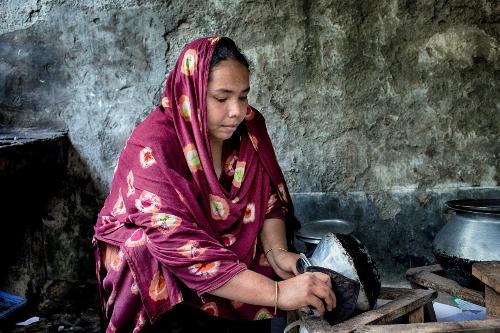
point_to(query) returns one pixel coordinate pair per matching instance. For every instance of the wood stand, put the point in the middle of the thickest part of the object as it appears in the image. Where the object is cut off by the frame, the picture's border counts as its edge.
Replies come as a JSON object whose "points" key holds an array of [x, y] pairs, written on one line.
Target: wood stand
{"points": [[488, 272], [415, 305], [404, 303]]}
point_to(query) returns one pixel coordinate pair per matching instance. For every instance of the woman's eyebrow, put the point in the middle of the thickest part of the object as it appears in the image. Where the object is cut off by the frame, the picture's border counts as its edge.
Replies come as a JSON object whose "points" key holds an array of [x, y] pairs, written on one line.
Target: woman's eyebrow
{"points": [[224, 90]]}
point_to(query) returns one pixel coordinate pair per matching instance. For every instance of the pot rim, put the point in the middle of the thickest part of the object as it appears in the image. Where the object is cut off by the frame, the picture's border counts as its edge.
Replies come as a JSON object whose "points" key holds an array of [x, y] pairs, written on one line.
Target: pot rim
{"points": [[484, 206]]}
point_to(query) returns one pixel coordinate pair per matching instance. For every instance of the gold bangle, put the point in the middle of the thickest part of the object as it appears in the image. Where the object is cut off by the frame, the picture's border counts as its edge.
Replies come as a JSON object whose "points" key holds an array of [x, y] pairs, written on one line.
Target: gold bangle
{"points": [[276, 289], [275, 248]]}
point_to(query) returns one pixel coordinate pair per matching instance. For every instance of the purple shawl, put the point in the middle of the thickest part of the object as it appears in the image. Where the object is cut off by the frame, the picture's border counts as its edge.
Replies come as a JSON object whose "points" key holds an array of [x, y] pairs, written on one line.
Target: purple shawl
{"points": [[177, 229]]}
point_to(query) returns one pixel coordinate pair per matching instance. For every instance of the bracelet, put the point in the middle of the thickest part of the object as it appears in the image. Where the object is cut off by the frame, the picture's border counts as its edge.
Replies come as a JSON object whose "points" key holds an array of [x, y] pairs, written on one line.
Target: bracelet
{"points": [[275, 248], [276, 290]]}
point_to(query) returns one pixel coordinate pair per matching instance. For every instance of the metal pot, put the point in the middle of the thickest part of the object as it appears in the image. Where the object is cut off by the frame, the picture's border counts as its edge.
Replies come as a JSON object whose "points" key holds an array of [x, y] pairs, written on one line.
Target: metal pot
{"points": [[472, 235], [311, 232], [346, 255]]}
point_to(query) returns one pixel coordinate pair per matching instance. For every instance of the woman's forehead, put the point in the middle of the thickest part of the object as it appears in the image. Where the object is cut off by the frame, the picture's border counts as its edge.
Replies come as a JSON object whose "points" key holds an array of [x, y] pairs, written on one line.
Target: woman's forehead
{"points": [[229, 76]]}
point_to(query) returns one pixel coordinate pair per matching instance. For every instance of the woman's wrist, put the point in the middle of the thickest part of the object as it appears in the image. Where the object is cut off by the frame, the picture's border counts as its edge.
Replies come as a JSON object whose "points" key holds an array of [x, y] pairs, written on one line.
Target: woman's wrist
{"points": [[275, 248]]}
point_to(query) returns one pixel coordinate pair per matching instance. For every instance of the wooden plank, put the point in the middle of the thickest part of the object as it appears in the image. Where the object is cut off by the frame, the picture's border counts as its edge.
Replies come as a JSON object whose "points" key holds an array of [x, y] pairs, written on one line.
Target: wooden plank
{"points": [[492, 300], [436, 282], [488, 272], [416, 316], [430, 268], [315, 324], [390, 293], [429, 314], [489, 325], [412, 300]]}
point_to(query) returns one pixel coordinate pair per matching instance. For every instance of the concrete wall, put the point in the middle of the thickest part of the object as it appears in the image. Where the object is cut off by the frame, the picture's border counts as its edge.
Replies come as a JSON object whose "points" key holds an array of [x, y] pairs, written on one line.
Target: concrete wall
{"points": [[385, 108]]}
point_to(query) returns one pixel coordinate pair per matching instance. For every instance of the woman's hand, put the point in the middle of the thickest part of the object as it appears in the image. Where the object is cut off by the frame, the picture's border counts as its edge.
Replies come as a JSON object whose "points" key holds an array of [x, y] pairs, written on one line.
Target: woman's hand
{"points": [[313, 289], [283, 263]]}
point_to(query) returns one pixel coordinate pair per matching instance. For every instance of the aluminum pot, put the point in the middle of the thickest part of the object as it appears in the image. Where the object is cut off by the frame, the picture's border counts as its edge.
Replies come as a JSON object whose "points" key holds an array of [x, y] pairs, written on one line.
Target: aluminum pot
{"points": [[472, 235], [311, 232], [346, 255]]}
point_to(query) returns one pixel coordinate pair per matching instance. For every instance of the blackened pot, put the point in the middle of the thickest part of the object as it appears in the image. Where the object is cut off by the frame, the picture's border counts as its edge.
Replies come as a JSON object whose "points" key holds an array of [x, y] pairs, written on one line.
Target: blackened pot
{"points": [[472, 235]]}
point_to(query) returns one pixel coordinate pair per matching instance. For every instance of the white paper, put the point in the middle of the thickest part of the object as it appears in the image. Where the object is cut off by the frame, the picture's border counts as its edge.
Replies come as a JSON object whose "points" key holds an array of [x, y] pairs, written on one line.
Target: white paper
{"points": [[446, 313], [28, 321]]}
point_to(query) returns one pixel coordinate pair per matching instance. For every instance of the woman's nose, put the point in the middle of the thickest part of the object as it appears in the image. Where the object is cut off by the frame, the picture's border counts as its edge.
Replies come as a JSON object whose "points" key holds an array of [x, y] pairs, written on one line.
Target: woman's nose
{"points": [[236, 110]]}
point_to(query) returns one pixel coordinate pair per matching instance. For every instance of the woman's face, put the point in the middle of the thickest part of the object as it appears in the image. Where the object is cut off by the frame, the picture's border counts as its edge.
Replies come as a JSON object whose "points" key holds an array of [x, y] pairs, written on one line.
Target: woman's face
{"points": [[228, 87]]}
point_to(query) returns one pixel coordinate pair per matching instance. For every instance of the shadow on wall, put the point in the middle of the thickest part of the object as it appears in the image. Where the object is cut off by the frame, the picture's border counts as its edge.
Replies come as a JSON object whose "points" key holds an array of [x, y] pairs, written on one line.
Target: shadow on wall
{"points": [[49, 204], [31, 78]]}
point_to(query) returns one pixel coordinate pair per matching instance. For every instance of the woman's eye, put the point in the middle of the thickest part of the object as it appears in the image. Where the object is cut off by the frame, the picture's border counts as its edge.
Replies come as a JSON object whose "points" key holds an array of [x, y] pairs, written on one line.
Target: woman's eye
{"points": [[221, 100], [243, 98]]}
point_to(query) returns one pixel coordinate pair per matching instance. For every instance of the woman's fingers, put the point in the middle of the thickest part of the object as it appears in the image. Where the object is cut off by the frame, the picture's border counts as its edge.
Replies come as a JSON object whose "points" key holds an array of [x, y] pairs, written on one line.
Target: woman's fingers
{"points": [[325, 293], [324, 278], [317, 304]]}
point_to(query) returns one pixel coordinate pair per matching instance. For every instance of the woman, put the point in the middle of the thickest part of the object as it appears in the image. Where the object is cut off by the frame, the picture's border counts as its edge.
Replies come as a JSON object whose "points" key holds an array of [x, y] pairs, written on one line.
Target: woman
{"points": [[198, 213]]}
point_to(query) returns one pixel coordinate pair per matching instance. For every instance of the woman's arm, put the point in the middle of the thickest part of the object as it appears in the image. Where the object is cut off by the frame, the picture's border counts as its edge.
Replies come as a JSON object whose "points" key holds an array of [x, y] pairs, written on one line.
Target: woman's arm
{"points": [[295, 292], [305, 289], [273, 236]]}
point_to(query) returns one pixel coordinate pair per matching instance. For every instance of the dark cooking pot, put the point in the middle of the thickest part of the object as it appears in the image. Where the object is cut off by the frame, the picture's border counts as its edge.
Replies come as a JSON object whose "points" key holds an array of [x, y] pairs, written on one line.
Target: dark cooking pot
{"points": [[472, 235]]}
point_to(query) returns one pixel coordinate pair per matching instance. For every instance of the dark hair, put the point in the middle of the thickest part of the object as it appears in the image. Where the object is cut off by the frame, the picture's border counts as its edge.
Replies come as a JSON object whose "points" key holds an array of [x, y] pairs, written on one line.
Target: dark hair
{"points": [[227, 49]]}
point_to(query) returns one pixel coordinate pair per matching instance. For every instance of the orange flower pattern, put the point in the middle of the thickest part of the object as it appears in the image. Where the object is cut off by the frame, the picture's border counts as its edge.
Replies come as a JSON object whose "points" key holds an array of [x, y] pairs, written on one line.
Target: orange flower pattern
{"points": [[239, 173], [218, 207], [263, 314], [148, 202], [137, 238], [205, 268], [192, 158], [158, 288], [119, 207], [134, 288], [249, 215], [146, 157], [166, 222], [254, 141], [117, 261], [191, 249], [213, 40], [189, 62], [271, 202], [130, 183], [228, 239], [185, 107], [229, 164], [281, 189], [165, 102]]}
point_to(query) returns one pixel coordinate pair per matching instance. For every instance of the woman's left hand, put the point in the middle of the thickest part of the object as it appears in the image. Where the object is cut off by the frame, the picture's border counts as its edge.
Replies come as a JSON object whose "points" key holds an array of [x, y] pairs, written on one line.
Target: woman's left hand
{"points": [[283, 263]]}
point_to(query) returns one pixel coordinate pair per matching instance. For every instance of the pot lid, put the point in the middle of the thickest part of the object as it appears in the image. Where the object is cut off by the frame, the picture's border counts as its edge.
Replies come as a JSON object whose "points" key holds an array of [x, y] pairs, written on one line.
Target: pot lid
{"points": [[315, 230], [491, 206]]}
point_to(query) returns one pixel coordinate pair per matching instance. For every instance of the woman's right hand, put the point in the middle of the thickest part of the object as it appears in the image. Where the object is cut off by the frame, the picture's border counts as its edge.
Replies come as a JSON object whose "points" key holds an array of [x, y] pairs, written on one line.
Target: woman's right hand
{"points": [[313, 289]]}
